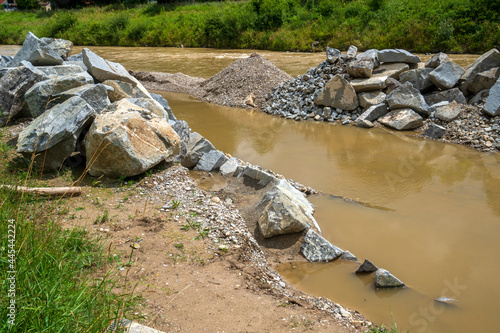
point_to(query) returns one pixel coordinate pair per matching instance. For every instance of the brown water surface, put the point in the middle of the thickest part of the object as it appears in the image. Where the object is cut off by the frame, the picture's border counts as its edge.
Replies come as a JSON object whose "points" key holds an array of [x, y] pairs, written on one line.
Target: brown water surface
{"points": [[439, 232]]}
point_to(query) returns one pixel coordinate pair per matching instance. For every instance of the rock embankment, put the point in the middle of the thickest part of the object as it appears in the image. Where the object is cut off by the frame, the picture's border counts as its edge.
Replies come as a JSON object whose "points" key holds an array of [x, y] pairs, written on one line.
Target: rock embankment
{"points": [[438, 99]]}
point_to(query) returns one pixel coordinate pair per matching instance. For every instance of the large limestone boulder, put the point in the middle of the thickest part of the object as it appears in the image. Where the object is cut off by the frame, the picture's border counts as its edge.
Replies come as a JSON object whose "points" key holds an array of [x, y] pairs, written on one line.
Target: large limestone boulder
{"points": [[406, 96], [94, 94], [492, 105], [370, 84], [484, 80], [448, 95], [446, 75], [384, 279], [369, 98], [371, 54], [338, 93], [437, 60], [36, 52], [315, 248], [13, 87], [196, 146], [360, 68], [419, 78], [55, 134], [103, 70], [397, 55], [285, 210], [128, 142], [403, 119], [40, 97], [393, 70]]}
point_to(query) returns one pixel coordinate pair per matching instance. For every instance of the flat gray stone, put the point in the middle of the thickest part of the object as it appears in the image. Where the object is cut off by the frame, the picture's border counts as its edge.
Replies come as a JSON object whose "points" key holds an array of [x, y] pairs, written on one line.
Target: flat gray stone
{"points": [[369, 98], [229, 167], [315, 248], [435, 131], [372, 55], [360, 68], [446, 75], [492, 104], [419, 78], [447, 112], [197, 146], [402, 119], [366, 267], [13, 87], [373, 83], [263, 178], [448, 95], [374, 112], [397, 55], [51, 72], [384, 279], [406, 96], [393, 70], [437, 60], [338, 93], [211, 161], [40, 97]]}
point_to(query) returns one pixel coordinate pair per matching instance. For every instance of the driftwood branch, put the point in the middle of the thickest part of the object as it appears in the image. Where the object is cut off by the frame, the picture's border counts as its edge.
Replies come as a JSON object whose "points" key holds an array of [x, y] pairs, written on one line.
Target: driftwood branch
{"points": [[53, 191]]}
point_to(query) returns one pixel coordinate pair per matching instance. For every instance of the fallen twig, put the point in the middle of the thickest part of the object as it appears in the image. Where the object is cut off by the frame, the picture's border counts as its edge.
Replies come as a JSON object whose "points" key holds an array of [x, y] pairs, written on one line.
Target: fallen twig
{"points": [[53, 191]]}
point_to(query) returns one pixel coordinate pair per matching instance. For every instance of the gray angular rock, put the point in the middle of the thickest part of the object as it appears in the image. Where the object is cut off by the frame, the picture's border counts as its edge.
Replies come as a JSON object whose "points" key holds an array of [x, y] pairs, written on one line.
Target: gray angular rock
{"points": [[372, 55], [391, 85], [197, 146], [384, 279], [446, 75], [182, 129], [363, 123], [338, 93], [397, 55], [75, 57], [369, 98], [374, 112], [62, 47], [326, 112], [40, 97], [446, 300], [36, 52], [315, 248], [94, 94], [360, 68], [75, 63], [56, 133], [351, 52], [448, 95], [437, 60], [332, 55], [348, 256], [160, 99], [373, 83], [51, 72], [103, 70], [261, 177], [435, 131], [13, 87], [484, 80], [402, 119], [406, 96], [419, 78], [4, 60], [127, 143], [492, 104], [447, 112], [480, 97], [366, 267], [120, 90], [393, 70], [211, 161], [487, 61], [229, 167]]}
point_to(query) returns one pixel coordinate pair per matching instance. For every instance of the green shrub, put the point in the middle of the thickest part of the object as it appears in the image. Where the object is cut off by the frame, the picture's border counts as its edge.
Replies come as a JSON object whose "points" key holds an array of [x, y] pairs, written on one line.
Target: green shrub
{"points": [[59, 23]]}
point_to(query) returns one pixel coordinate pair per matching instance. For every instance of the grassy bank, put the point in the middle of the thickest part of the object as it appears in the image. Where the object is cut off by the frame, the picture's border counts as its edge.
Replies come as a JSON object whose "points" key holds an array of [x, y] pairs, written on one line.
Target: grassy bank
{"points": [[421, 26], [52, 279]]}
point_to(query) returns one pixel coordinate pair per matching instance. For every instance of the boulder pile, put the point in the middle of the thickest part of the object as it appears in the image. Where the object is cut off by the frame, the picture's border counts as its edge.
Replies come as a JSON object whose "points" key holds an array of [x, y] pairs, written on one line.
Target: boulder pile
{"points": [[394, 88]]}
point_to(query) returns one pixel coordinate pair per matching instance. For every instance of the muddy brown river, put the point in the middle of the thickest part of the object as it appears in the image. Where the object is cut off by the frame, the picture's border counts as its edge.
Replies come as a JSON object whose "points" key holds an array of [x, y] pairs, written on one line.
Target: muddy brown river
{"points": [[437, 221]]}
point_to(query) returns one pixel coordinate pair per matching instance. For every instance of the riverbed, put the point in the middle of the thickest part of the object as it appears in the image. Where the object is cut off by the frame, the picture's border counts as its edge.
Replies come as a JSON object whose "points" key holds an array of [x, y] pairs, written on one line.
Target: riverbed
{"points": [[437, 216]]}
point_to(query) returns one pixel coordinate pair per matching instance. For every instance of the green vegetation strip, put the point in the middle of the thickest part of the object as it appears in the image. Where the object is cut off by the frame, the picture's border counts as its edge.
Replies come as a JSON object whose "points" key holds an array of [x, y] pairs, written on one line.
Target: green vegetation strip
{"points": [[419, 26], [52, 279]]}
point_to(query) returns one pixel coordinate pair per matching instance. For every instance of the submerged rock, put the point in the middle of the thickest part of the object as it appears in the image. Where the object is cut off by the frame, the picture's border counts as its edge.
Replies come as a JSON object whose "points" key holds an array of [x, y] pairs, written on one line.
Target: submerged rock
{"points": [[366, 267], [384, 279], [315, 248], [446, 300]]}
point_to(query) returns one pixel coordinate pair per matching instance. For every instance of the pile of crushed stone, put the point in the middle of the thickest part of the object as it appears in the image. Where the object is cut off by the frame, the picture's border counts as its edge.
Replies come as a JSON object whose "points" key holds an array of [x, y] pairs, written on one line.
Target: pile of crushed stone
{"points": [[253, 75]]}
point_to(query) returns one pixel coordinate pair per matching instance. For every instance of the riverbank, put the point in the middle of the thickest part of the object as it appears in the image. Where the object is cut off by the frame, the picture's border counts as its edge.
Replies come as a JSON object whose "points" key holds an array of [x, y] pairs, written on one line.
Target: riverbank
{"points": [[424, 26]]}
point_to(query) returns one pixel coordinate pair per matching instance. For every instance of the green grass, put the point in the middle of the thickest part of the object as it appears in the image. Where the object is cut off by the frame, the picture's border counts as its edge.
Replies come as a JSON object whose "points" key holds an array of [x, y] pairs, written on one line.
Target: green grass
{"points": [[63, 279], [421, 26]]}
